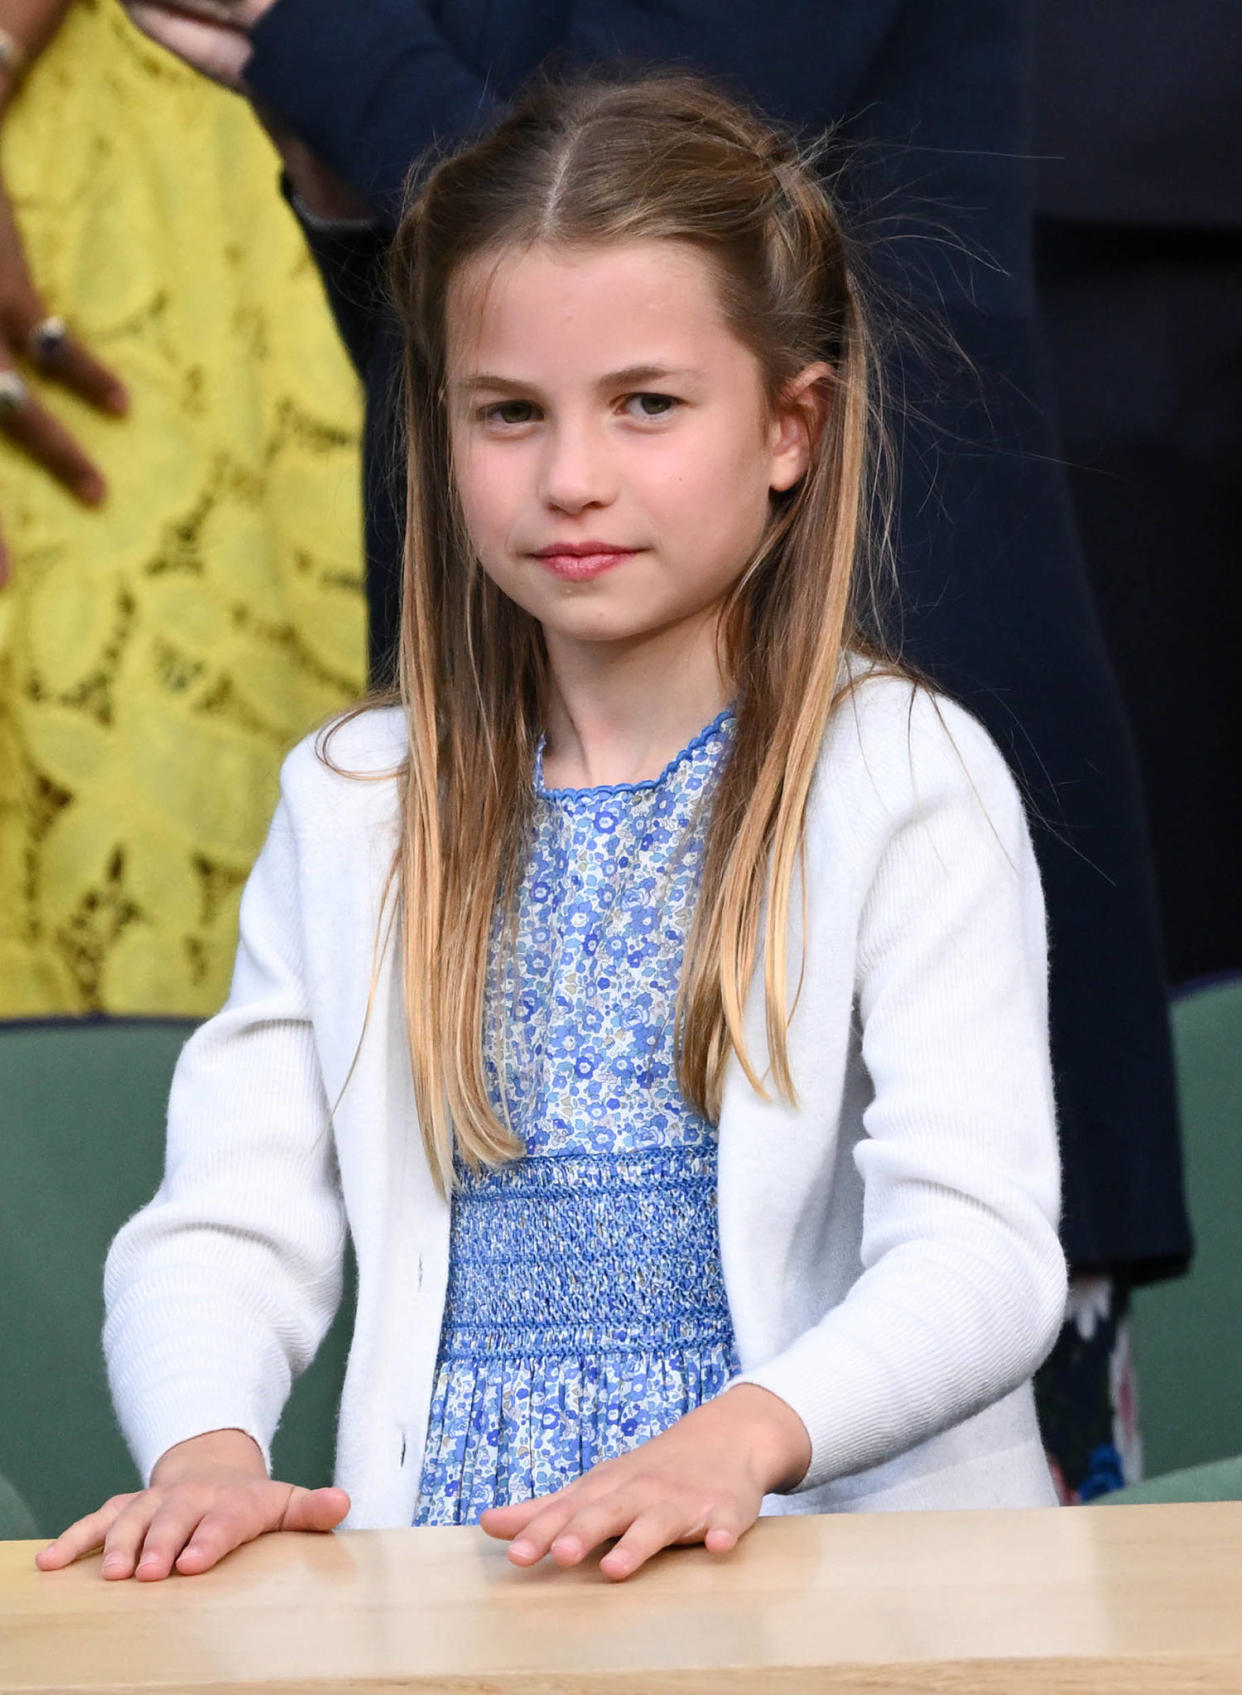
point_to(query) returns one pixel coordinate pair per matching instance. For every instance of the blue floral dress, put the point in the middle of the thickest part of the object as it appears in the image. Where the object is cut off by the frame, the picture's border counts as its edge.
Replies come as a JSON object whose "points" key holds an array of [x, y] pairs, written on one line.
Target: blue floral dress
{"points": [[586, 1310]]}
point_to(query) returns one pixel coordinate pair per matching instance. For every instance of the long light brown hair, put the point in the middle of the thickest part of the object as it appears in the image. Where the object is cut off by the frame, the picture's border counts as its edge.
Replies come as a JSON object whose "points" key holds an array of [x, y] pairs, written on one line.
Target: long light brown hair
{"points": [[591, 161]]}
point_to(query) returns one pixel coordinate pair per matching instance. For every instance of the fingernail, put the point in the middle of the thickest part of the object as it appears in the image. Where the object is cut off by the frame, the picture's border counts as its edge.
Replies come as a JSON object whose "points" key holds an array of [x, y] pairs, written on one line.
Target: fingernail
{"points": [[114, 1562], [567, 1546], [522, 1550], [92, 487], [118, 402]]}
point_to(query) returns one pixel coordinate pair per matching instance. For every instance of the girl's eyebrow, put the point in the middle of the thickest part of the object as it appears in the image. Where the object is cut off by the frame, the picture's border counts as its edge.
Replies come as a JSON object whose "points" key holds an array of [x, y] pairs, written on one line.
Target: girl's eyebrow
{"points": [[632, 375]]}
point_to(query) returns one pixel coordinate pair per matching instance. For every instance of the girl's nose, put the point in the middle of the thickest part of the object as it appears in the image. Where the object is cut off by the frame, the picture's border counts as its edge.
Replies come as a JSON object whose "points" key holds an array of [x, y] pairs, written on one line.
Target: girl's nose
{"points": [[575, 472]]}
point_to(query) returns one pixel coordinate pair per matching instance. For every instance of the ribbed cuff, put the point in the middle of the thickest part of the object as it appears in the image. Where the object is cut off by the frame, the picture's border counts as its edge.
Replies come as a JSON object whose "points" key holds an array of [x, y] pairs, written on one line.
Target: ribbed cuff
{"points": [[198, 1409]]}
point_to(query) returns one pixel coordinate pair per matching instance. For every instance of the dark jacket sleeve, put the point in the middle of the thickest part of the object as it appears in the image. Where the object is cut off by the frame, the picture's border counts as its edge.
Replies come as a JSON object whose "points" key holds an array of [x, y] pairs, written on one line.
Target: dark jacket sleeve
{"points": [[350, 258], [373, 84], [368, 86]]}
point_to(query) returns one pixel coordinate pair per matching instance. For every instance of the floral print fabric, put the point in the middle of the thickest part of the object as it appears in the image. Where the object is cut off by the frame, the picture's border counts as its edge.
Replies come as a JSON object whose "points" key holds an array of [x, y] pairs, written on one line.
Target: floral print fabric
{"points": [[586, 1310]]}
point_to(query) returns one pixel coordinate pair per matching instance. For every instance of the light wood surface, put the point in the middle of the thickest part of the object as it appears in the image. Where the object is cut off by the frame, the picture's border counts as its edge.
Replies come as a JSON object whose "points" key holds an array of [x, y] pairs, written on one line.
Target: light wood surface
{"points": [[1078, 1601]]}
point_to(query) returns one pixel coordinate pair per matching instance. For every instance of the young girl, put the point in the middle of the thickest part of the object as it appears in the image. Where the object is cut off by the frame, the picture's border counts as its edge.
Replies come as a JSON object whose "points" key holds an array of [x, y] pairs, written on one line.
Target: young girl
{"points": [[657, 995]]}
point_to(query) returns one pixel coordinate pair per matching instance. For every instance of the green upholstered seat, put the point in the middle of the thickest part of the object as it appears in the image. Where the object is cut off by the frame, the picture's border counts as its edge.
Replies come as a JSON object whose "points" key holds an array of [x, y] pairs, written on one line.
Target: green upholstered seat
{"points": [[82, 1108], [1220, 1481], [16, 1518], [1187, 1337]]}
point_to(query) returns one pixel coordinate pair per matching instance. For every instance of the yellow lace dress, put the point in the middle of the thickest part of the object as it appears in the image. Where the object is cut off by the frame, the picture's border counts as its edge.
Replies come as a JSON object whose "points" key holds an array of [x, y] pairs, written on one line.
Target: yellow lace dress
{"points": [[160, 654]]}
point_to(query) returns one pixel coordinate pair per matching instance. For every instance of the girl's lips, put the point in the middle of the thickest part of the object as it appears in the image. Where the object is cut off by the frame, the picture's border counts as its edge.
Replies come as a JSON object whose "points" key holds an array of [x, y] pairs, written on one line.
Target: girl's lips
{"points": [[580, 567]]}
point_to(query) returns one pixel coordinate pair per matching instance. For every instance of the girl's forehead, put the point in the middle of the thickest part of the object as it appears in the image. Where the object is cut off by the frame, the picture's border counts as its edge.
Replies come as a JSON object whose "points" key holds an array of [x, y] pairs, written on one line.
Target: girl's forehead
{"points": [[522, 300]]}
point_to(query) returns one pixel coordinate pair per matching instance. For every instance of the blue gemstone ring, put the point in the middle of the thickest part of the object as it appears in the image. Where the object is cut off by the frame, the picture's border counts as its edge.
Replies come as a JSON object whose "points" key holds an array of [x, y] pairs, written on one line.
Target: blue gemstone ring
{"points": [[47, 341]]}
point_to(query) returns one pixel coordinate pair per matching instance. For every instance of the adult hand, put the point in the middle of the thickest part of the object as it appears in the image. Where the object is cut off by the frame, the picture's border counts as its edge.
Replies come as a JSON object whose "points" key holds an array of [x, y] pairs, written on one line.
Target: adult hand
{"points": [[23, 418], [702, 1480], [207, 1496], [211, 36]]}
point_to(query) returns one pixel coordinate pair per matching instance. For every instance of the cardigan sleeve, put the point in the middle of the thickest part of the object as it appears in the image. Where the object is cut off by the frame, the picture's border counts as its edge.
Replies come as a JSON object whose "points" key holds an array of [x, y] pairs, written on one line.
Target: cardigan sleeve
{"points": [[962, 1280], [220, 1289]]}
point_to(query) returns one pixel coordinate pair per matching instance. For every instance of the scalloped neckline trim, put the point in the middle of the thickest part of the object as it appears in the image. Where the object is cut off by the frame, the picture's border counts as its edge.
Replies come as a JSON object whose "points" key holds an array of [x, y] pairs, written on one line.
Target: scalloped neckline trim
{"points": [[709, 732]]}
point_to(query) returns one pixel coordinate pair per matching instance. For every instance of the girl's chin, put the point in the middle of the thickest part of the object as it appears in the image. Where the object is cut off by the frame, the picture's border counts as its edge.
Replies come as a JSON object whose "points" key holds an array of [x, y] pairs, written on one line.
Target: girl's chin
{"points": [[623, 619], [598, 632]]}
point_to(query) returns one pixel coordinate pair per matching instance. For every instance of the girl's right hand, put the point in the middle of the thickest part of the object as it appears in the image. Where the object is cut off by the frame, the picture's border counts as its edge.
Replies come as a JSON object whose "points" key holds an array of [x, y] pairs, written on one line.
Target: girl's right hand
{"points": [[207, 1497]]}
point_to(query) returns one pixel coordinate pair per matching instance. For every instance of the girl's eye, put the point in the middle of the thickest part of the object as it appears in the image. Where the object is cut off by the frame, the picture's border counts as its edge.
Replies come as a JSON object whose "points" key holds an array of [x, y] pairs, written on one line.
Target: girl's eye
{"points": [[653, 405], [509, 412]]}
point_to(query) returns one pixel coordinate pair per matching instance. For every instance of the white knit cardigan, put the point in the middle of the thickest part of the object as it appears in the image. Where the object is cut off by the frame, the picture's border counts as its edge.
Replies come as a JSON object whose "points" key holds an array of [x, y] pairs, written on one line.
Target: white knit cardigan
{"points": [[889, 1245]]}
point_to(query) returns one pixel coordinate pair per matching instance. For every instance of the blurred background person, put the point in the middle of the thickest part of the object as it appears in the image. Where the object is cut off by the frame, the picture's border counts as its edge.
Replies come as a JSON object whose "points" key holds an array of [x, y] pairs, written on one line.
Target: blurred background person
{"points": [[179, 510], [930, 98], [1139, 254]]}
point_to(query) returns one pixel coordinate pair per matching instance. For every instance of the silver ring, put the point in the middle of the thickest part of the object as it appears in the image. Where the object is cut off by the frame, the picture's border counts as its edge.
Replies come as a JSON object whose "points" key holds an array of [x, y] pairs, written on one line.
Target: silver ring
{"points": [[46, 342], [13, 392]]}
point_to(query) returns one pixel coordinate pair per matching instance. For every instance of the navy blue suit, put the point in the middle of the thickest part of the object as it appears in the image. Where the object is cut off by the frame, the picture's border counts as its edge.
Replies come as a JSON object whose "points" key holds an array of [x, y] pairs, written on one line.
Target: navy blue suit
{"points": [[1139, 259], [996, 606]]}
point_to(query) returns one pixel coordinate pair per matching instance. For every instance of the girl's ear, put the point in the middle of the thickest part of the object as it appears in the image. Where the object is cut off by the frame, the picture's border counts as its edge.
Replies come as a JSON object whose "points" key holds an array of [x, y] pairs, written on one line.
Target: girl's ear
{"points": [[796, 424]]}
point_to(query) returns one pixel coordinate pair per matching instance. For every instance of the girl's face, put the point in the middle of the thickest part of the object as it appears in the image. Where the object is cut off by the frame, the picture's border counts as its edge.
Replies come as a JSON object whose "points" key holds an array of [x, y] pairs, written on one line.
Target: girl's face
{"points": [[612, 447]]}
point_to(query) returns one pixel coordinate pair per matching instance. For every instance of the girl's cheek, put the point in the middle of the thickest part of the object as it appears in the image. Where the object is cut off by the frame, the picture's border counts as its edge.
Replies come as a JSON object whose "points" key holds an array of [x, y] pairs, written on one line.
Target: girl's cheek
{"points": [[481, 490], [496, 480], [493, 523]]}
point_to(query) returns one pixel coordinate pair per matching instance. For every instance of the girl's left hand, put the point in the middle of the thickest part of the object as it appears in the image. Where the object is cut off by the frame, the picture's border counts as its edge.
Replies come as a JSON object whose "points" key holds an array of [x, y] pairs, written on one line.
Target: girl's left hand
{"points": [[702, 1480]]}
